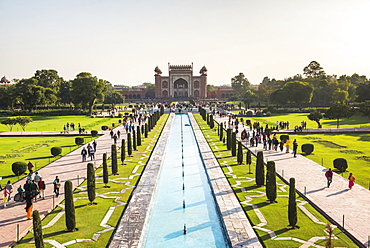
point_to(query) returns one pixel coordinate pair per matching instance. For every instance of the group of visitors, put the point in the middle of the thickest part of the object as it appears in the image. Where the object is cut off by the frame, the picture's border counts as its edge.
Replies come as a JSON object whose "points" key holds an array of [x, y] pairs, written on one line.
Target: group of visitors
{"points": [[89, 151]]}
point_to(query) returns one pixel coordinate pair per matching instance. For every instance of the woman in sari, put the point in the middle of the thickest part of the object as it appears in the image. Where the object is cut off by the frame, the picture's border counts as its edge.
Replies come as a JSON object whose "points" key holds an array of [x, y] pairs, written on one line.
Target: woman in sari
{"points": [[351, 179]]}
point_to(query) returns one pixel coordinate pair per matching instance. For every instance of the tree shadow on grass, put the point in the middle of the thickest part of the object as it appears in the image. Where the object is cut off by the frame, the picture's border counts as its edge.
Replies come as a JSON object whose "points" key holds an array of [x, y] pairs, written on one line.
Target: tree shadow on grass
{"points": [[36, 158]]}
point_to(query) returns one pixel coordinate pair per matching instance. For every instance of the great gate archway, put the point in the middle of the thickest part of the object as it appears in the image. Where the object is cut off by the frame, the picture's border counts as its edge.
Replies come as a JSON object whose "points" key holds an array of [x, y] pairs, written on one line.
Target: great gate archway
{"points": [[181, 83]]}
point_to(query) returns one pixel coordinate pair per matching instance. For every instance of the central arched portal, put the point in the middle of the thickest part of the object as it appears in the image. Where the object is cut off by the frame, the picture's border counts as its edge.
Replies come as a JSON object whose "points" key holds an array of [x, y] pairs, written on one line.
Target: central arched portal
{"points": [[180, 88]]}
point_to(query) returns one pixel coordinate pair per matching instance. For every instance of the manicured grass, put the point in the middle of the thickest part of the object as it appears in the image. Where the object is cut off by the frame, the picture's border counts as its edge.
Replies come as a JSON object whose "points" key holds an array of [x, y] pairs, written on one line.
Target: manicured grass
{"points": [[34, 149], [354, 146], [56, 123], [295, 119], [276, 214], [89, 217]]}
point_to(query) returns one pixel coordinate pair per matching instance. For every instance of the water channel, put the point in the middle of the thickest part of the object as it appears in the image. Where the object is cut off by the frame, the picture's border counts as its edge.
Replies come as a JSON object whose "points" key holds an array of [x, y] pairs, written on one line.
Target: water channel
{"points": [[183, 212]]}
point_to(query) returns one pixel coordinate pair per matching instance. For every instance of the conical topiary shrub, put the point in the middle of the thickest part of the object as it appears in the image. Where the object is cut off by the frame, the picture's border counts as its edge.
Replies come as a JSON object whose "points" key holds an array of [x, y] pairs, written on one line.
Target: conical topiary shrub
{"points": [[123, 151], [146, 130], [221, 131], [138, 138], [134, 140], [240, 153], [260, 169], [69, 206], [233, 144], [37, 229], [271, 181], [91, 183], [129, 144], [114, 160], [105, 171], [228, 139], [292, 206]]}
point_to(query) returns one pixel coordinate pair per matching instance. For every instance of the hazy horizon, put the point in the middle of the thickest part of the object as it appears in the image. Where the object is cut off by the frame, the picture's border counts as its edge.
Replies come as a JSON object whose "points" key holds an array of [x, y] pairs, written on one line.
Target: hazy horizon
{"points": [[123, 41]]}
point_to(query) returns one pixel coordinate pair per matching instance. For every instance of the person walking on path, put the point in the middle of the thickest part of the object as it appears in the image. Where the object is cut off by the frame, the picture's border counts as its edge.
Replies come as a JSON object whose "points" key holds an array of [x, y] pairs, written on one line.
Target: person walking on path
{"points": [[329, 176], [9, 187], [351, 182], [29, 206], [6, 197], [92, 153], [30, 167], [295, 147], [42, 188], [37, 177], [118, 134], [115, 139], [56, 183], [95, 144], [84, 154]]}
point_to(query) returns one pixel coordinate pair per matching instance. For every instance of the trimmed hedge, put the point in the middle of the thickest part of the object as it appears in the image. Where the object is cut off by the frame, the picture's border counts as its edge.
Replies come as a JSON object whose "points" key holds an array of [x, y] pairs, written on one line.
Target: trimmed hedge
{"points": [[284, 137], [94, 133], [340, 164], [19, 168], [79, 141], [307, 148], [104, 128], [55, 151]]}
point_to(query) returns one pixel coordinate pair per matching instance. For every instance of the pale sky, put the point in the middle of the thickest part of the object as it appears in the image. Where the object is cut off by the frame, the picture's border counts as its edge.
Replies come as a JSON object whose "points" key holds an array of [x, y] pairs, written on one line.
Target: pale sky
{"points": [[123, 41]]}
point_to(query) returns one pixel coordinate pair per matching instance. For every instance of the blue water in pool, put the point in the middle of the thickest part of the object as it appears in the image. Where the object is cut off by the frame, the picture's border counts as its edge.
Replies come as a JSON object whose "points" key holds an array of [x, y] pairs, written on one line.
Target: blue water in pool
{"points": [[165, 227]]}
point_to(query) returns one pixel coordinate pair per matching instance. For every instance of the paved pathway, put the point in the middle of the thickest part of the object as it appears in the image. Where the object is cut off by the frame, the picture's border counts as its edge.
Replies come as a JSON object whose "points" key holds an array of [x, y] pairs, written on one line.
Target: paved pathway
{"points": [[68, 167], [338, 201]]}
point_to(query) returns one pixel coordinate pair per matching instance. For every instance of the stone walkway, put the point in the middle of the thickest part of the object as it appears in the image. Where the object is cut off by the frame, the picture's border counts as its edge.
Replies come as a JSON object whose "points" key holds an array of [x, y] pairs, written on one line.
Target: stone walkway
{"points": [[348, 208], [68, 167]]}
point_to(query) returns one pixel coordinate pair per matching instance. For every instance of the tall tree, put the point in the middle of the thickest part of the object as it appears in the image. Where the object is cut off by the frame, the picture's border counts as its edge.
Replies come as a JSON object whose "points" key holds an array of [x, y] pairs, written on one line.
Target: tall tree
{"points": [[113, 98], [339, 111], [31, 94], [86, 89], [150, 90], [298, 92], [315, 116], [365, 108], [314, 70], [240, 84], [340, 96], [48, 78], [114, 160]]}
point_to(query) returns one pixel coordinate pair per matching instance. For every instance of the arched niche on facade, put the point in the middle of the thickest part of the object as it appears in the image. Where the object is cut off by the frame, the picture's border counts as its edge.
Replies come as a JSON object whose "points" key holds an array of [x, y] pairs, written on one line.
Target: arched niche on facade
{"points": [[196, 93], [164, 84], [196, 84], [165, 93], [180, 84]]}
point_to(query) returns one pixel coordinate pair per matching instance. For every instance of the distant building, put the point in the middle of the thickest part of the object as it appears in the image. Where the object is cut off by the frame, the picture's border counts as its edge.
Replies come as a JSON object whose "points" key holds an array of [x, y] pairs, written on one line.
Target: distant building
{"points": [[4, 81], [180, 83], [223, 92], [131, 93]]}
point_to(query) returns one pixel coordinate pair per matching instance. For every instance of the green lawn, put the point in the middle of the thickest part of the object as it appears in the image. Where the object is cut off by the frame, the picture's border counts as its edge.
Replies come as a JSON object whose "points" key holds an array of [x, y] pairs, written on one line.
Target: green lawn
{"points": [[275, 214], [34, 149], [355, 148], [89, 217], [56, 123], [295, 119]]}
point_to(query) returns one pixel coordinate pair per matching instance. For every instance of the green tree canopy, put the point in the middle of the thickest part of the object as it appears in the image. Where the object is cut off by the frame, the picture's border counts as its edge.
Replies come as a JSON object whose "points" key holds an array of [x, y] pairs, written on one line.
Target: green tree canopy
{"points": [[315, 116], [340, 96], [365, 108], [240, 84], [31, 94], [86, 89], [298, 92], [113, 98], [314, 70]]}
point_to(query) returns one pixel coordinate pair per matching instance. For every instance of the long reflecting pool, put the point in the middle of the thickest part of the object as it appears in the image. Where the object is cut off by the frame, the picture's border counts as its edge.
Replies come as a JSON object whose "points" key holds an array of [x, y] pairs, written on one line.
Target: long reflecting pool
{"points": [[183, 211]]}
